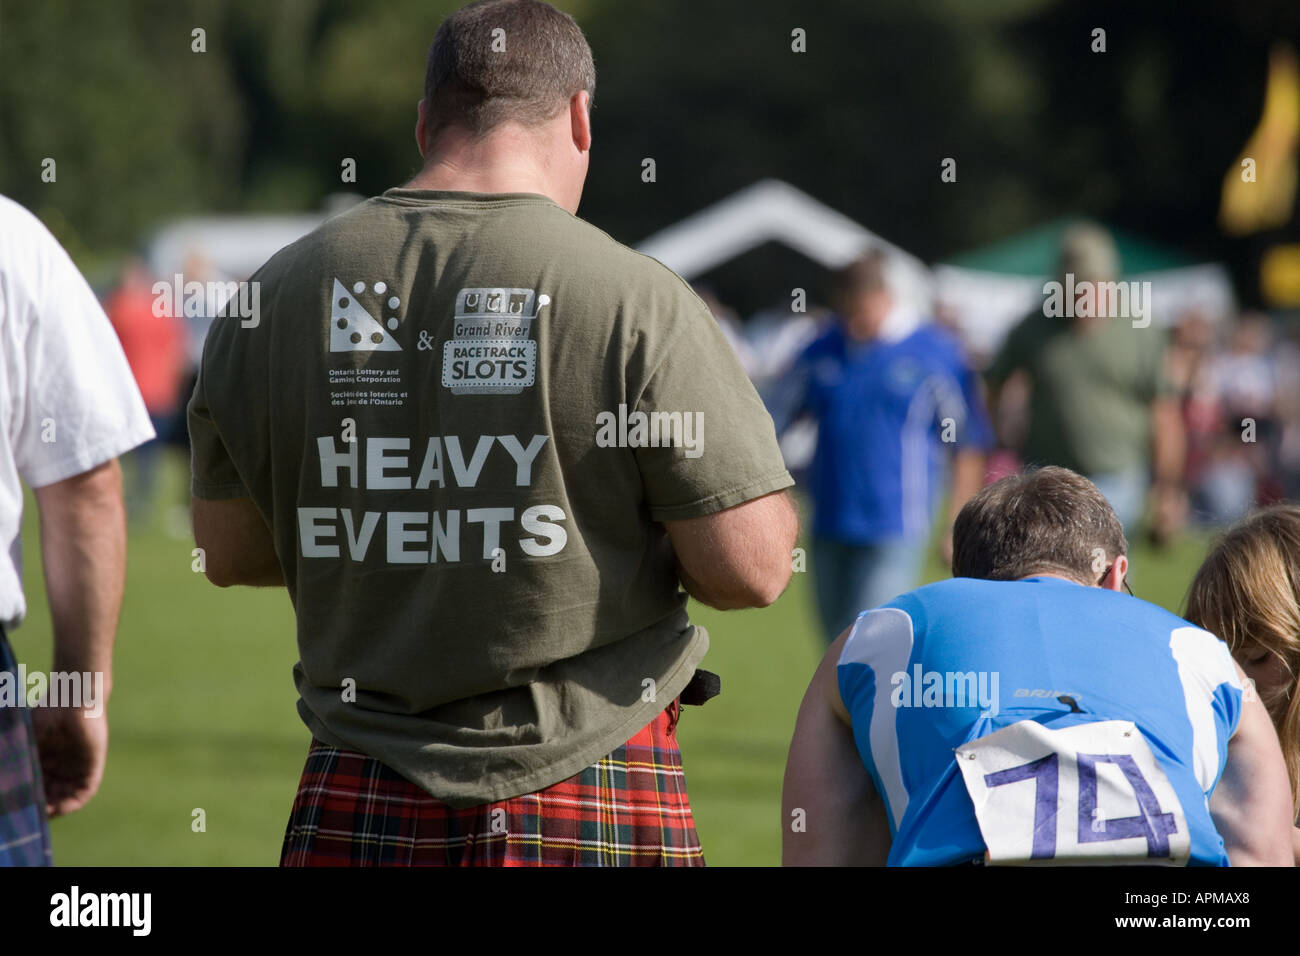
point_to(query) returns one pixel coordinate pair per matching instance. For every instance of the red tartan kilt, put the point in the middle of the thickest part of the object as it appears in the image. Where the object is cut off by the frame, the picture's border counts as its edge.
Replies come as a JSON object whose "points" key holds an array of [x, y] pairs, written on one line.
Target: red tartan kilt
{"points": [[628, 809]]}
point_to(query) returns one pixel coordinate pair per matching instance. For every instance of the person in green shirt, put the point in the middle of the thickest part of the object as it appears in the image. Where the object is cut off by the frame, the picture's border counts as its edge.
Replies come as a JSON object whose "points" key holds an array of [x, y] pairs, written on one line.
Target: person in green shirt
{"points": [[1100, 402], [486, 447]]}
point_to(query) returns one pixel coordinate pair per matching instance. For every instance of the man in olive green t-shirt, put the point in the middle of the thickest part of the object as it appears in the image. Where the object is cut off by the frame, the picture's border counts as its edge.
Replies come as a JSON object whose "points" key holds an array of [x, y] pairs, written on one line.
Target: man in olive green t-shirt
{"points": [[1100, 402], [482, 444]]}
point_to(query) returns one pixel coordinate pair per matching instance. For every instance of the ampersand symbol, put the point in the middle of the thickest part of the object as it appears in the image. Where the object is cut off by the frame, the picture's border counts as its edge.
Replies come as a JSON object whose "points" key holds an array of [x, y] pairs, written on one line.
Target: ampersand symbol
{"points": [[425, 342]]}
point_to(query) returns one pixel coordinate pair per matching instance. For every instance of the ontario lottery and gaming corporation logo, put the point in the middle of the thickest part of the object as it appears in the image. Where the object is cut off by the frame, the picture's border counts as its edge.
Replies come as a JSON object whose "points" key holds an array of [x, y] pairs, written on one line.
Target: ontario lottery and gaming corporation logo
{"points": [[491, 351]]}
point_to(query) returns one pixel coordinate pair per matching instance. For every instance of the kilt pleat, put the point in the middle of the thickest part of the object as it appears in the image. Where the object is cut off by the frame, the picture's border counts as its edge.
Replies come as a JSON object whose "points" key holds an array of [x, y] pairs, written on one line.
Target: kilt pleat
{"points": [[630, 808], [24, 830]]}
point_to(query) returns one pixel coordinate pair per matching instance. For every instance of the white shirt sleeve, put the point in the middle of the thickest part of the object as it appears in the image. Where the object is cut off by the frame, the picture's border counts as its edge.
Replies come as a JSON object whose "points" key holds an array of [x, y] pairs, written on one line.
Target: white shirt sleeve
{"points": [[73, 403]]}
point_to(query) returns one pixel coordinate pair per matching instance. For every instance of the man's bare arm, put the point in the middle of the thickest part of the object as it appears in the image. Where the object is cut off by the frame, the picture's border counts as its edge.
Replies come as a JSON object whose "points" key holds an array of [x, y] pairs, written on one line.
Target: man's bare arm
{"points": [[1168, 441], [1168, 458], [740, 557], [828, 791], [237, 544], [1251, 806], [83, 550]]}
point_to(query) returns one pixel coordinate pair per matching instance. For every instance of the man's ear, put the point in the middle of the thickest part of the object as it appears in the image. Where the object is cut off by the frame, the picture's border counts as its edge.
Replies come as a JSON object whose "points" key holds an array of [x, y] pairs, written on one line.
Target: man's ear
{"points": [[580, 120], [421, 125], [1114, 581]]}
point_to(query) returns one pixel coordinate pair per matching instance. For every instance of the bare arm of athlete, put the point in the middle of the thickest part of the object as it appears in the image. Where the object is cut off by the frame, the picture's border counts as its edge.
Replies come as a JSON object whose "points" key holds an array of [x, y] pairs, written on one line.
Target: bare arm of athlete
{"points": [[831, 814], [1251, 806]]}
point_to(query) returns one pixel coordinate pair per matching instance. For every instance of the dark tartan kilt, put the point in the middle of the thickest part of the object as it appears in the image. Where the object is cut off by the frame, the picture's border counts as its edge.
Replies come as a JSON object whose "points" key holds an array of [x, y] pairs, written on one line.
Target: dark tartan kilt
{"points": [[628, 809], [24, 831]]}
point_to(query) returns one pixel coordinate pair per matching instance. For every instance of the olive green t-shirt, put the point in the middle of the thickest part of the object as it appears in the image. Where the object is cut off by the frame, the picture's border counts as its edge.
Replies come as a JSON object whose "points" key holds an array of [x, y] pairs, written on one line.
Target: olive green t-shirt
{"points": [[463, 416], [1092, 389]]}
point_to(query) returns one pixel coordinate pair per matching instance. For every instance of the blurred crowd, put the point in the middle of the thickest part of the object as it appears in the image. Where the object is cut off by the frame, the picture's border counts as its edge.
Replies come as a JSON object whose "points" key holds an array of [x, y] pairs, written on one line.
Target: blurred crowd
{"points": [[1236, 381], [1239, 385], [163, 343], [1184, 420]]}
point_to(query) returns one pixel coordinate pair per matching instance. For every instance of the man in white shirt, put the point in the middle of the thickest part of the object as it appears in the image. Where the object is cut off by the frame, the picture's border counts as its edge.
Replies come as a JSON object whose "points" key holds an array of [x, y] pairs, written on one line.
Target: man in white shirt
{"points": [[68, 408]]}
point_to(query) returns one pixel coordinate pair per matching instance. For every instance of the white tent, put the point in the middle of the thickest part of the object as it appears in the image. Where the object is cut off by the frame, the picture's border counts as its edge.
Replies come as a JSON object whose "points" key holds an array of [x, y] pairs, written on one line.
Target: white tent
{"points": [[772, 210], [232, 246], [985, 305], [985, 291]]}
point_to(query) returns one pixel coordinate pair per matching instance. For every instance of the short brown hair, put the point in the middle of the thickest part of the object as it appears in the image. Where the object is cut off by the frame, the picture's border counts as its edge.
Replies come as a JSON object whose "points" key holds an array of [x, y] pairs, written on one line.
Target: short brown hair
{"points": [[1046, 521], [478, 78], [864, 274]]}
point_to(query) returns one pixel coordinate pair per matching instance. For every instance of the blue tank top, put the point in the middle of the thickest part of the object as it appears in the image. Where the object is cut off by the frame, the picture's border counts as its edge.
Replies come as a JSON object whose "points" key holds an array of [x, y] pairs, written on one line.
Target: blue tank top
{"points": [[928, 676]]}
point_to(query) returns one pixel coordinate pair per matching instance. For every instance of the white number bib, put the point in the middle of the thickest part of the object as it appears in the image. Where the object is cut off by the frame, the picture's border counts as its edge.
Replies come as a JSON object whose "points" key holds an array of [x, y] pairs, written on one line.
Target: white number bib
{"points": [[1091, 793]]}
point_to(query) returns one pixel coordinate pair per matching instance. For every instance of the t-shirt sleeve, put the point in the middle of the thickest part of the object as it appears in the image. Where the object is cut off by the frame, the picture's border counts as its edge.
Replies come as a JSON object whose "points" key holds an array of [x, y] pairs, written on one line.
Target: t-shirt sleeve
{"points": [[77, 405], [728, 453], [214, 476]]}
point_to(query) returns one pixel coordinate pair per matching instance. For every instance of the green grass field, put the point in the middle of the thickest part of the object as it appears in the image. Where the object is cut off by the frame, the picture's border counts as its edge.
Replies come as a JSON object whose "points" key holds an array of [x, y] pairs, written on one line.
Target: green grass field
{"points": [[202, 713]]}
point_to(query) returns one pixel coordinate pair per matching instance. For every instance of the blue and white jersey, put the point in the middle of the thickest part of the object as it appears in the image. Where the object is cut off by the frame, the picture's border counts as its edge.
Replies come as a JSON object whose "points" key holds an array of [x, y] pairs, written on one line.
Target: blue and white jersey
{"points": [[888, 413], [1062, 673]]}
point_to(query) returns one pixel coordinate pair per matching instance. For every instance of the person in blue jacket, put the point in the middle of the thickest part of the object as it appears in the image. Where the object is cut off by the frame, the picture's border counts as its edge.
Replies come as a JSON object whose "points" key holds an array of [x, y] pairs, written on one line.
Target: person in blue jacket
{"points": [[900, 421]]}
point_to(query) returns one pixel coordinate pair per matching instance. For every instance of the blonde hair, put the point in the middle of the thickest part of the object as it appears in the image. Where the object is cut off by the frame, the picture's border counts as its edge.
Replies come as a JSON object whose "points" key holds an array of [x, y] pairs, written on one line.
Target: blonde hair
{"points": [[1248, 593]]}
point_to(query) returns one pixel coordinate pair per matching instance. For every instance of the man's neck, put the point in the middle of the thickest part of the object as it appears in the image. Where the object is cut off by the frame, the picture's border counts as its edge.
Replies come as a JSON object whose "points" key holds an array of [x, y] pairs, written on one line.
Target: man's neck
{"points": [[857, 337], [501, 163], [453, 177], [1050, 574]]}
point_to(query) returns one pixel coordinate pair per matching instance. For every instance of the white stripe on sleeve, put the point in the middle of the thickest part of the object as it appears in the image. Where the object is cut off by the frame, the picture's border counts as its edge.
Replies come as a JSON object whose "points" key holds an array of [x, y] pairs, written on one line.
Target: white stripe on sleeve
{"points": [[882, 640], [1203, 664]]}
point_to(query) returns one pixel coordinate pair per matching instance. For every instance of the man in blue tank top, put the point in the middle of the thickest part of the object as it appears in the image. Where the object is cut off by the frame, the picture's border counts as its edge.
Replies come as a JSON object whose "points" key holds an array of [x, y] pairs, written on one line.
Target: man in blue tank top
{"points": [[1029, 712]]}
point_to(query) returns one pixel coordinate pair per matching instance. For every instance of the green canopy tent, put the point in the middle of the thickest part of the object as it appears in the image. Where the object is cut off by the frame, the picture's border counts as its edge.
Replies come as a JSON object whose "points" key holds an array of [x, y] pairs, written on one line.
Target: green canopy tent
{"points": [[1033, 253], [985, 290]]}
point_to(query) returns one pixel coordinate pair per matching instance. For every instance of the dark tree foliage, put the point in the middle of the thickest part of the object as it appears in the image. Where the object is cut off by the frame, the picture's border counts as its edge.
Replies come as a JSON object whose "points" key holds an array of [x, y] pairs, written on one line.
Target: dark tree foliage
{"points": [[143, 129]]}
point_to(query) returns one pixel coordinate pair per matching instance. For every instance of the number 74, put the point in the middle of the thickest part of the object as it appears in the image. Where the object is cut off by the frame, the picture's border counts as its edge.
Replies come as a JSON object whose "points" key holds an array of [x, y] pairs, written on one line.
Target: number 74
{"points": [[1151, 822]]}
